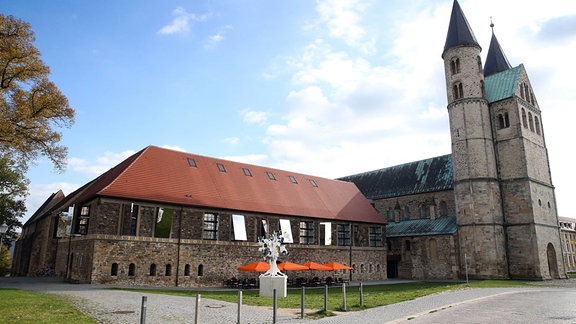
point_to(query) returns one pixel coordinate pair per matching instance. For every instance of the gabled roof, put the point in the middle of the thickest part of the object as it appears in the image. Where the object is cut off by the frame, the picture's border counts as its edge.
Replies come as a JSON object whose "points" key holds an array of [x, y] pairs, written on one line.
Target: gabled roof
{"points": [[52, 201], [459, 31], [496, 61], [428, 175], [422, 227], [166, 176], [502, 85]]}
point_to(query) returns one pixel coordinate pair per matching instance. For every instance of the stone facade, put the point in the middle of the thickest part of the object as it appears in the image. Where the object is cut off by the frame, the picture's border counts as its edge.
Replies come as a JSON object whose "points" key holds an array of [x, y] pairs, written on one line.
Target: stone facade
{"points": [[106, 254]]}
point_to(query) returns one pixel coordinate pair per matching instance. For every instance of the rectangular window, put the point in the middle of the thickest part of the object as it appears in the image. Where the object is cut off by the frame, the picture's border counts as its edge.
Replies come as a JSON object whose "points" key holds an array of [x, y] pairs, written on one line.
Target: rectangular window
{"points": [[263, 228], [286, 230], [133, 219], [210, 226], [375, 236], [247, 172], [221, 167], [306, 232], [270, 175], [83, 220], [163, 227], [292, 179], [343, 234], [192, 162], [326, 233], [239, 228]]}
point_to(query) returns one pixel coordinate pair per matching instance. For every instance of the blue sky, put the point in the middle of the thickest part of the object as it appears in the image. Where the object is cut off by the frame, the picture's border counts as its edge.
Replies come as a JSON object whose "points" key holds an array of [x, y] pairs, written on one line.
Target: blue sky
{"points": [[329, 88]]}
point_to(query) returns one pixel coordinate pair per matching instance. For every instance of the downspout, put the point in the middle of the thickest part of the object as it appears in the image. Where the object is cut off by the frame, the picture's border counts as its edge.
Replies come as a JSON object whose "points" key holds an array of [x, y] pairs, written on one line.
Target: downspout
{"points": [[178, 247]]}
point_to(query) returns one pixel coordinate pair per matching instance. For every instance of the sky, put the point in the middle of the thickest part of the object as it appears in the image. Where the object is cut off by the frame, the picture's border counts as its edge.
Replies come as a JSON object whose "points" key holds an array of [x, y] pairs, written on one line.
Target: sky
{"points": [[328, 88]]}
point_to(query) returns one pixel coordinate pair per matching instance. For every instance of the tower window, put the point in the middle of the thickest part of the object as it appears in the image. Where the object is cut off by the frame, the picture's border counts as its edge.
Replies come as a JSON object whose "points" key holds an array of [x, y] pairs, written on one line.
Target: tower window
{"points": [[537, 125], [524, 120], [458, 91], [455, 66], [530, 121], [479, 60], [503, 120]]}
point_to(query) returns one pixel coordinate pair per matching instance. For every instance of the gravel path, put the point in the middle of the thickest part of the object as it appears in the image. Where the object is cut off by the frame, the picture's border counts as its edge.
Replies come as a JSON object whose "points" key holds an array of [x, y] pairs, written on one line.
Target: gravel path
{"points": [[118, 306]]}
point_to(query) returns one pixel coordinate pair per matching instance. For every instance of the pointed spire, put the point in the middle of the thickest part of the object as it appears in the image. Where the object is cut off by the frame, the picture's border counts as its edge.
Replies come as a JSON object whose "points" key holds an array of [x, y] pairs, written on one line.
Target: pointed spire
{"points": [[496, 61], [459, 31]]}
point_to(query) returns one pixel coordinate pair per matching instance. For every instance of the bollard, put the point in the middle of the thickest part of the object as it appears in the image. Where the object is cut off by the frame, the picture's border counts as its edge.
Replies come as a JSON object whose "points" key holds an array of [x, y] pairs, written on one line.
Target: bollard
{"points": [[302, 303], [239, 305], [326, 298], [143, 310], [274, 306], [197, 309], [344, 296], [361, 295]]}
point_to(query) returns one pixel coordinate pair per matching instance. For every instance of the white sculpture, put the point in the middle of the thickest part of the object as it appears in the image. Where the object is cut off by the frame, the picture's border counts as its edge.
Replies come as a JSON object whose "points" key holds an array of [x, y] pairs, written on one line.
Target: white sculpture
{"points": [[271, 248]]}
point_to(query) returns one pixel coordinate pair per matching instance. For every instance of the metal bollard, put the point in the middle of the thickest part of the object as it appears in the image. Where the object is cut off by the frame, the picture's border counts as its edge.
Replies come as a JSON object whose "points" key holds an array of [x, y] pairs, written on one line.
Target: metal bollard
{"points": [[361, 295], [239, 305], [143, 310], [344, 296], [197, 309], [302, 303], [274, 306], [325, 298]]}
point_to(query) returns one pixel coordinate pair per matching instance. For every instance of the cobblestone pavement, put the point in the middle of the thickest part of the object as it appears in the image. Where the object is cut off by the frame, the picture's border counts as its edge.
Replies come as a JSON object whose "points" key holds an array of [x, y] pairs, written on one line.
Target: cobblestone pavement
{"points": [[118, 306]]}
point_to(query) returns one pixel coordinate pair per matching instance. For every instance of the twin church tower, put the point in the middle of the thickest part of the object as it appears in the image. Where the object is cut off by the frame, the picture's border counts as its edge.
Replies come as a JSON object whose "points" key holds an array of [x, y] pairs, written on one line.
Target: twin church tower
{"points": [[505, 203]]}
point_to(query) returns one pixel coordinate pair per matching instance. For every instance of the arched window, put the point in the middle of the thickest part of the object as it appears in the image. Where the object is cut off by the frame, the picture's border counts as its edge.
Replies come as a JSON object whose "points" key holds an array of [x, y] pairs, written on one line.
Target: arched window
{"points": [[131, 270], [537, 125], [187, 270], [407, 212], [391, 214], [200, 270], [524, 121], [433, 246], [503, 120], [530, 121], [114, 269], [443, 208], [168, 270], [378, 267], [482, 88], [458, 90], [424, 211], [479, 60], [522, 91], [153, 269], [455, 66]]}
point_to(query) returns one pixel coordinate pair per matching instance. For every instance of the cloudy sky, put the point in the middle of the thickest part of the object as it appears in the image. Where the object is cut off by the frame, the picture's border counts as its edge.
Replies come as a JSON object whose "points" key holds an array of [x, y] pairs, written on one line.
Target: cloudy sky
{"points": [[328, 88]]}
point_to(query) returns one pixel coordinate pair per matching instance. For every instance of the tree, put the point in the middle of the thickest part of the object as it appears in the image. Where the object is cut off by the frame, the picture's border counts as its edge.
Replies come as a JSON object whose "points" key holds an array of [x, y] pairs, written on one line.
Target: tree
{"points": [[31, 106], [13, 191]]}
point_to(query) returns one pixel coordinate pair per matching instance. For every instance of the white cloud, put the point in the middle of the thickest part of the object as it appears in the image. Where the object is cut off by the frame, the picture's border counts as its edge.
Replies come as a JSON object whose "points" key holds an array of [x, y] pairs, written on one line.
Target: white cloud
{"points": [[231, 140], [254, 117], [218, 37], [39, 193], [181, 22], [99, 165]]}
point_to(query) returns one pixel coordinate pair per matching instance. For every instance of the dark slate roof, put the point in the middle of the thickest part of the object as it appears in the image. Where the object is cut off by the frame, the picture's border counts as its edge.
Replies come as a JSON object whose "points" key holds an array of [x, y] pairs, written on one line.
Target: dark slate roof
{"points": [[496, 61], [422, 227], [428, 175], [502, 85], [459, 31]]}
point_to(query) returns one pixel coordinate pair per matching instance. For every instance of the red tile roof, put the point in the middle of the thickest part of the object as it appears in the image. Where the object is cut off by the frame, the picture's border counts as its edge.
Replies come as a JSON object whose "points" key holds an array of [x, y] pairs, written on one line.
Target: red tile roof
{"points": [[163, 175]]}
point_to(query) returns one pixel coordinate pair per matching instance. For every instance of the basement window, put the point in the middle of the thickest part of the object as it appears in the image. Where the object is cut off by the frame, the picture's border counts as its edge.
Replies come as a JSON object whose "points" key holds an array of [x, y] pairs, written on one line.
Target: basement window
{"points": [[221, 167]]}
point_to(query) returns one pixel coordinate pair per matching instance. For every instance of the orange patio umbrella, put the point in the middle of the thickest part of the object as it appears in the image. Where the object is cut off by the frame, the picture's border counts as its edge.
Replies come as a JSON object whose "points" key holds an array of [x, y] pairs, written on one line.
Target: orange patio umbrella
{"points": [[316, 266], [257, 266], [338, 266], [286, 266]]}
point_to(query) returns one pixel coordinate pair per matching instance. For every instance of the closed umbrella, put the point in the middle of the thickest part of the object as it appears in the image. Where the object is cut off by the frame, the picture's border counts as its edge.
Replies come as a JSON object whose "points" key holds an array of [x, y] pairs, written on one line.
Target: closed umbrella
{"points": [[287, 266], [257, 266], [337, 266]]}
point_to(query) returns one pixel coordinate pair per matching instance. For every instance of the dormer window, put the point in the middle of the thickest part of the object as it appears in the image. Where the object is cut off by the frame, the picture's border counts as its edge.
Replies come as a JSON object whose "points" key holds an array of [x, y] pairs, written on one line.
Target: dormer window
{"points": [[221, 167], [192, 163], [270, 175], [247, 172], [292, 179], [313, 183]]}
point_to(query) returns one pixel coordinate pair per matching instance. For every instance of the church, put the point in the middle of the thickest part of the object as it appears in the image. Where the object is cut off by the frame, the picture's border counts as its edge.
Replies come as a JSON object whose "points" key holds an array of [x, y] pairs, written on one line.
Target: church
{"points": [[485, 211]]}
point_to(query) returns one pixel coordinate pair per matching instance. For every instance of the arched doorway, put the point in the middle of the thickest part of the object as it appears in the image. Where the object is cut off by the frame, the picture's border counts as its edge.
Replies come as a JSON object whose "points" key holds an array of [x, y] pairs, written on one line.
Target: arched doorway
{"points": [[552, 261]]}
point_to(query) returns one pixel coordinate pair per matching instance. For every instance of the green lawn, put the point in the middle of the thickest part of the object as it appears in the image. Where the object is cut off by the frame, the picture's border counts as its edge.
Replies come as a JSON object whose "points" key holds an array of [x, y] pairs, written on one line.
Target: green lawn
{"points": [[21, 306]]}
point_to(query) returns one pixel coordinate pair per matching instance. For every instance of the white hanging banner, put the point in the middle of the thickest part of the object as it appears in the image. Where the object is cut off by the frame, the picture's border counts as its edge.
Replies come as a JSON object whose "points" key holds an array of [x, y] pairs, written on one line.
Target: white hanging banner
{"points": [[286, 230], [239, 228]]}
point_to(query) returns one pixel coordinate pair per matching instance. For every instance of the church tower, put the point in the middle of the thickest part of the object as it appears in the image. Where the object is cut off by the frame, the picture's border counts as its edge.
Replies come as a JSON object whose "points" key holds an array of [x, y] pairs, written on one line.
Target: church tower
{"points": [[477, 196], [504, 197]]}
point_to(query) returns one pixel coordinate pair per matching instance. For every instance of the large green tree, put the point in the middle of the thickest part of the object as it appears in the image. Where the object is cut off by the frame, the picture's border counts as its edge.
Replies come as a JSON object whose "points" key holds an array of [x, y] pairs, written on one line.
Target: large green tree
{"points": [[32, 108]]}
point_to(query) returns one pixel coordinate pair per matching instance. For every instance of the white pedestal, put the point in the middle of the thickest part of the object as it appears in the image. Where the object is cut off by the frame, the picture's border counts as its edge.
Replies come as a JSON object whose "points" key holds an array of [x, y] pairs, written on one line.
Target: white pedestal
{"points": [[268, 284]]}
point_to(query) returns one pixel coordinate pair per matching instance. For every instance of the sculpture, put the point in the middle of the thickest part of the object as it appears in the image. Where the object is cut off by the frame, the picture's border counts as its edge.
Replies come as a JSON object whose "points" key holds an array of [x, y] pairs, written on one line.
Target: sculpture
{"points": [[270, 248]]}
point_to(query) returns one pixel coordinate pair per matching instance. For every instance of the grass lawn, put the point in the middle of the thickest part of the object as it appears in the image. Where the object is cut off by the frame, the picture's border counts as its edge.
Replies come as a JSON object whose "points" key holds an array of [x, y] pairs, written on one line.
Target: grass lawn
{"points": [[21, 306], [373, 295]]}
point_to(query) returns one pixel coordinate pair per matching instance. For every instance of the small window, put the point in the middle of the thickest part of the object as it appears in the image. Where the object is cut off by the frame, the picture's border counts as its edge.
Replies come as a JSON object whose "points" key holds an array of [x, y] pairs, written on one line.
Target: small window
{"points": [[131, 270], [168, 270], [314, 184], [200, 270], [187, 270], [292, 179], [114, 270], [192, 162], [270, 175], [247, 172], [221, 167], [153, 269], [407, 245]]}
